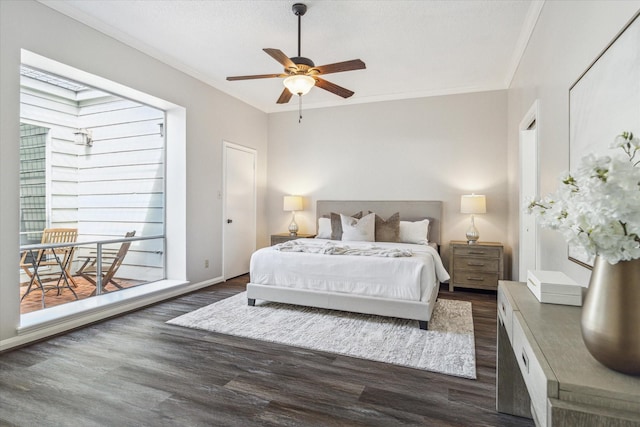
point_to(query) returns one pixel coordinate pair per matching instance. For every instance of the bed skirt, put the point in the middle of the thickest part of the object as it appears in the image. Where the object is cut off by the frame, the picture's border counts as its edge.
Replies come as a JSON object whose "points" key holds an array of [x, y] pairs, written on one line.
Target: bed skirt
{"points": [[404, 309]]}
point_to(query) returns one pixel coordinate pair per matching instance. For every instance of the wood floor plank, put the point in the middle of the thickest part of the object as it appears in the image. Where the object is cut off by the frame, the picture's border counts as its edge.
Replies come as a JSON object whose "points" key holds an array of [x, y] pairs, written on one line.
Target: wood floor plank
{"points": [[137, 370]]}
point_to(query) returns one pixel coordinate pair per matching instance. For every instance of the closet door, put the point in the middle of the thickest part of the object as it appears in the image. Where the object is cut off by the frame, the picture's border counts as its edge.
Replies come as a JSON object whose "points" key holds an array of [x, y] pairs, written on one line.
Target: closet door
{"points": [[239, 220]]}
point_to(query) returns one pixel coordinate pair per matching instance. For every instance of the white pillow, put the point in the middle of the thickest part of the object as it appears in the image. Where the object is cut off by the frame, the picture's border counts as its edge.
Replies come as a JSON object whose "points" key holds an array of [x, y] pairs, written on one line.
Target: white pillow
{"points": [[324, 228], [414, 232], [359, 230]]}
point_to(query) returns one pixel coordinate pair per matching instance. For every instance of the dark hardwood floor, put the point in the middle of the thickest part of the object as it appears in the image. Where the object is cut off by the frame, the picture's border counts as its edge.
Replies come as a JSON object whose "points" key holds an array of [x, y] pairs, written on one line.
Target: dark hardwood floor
{"points": [[135, 370]]}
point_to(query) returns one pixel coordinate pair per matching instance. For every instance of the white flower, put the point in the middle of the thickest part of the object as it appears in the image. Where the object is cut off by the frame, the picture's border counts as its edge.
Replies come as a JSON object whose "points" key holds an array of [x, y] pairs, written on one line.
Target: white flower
{"points": [[629, 143], [598, 206]]}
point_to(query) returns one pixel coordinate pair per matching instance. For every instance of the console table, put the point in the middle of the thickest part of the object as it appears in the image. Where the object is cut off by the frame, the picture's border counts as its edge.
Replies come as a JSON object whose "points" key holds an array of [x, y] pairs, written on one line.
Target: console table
{"points": [[545, 372]]}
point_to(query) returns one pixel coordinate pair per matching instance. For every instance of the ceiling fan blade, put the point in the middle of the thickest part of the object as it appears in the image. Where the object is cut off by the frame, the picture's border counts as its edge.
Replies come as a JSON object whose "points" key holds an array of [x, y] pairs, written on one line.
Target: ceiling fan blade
{"points": [[354, 64], [285, 96], [279, 56], [333, 88], [257, 76]]}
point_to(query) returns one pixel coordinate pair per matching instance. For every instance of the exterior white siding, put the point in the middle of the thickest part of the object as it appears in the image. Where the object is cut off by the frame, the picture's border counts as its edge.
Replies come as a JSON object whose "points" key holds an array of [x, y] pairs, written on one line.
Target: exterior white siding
{"points": [[115, 185]]}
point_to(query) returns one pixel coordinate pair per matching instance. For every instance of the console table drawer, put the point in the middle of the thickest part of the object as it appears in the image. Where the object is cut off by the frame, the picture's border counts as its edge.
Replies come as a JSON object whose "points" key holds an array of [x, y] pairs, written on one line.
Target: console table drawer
{"points": [[532, 372], [505, 312]]}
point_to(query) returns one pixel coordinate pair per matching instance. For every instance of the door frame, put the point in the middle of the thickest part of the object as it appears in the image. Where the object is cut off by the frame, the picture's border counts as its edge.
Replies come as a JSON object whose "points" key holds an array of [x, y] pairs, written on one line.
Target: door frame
{"points": [[530, 118], [225, 146]]}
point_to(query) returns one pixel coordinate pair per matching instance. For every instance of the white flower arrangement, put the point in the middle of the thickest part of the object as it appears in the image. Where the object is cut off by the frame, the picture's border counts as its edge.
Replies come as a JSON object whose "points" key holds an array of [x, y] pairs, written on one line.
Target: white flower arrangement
{"points": [[598, 206]]}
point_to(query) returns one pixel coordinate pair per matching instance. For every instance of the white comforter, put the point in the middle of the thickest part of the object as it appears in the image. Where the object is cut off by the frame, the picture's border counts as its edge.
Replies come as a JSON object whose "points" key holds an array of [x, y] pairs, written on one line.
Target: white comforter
{"points": [[406, 278]]}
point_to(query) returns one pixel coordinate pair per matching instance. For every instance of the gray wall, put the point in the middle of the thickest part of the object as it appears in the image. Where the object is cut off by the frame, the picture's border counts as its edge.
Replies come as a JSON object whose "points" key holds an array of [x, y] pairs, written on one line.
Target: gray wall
{"points": [[435, 148], [211, 118], [568, 36]]}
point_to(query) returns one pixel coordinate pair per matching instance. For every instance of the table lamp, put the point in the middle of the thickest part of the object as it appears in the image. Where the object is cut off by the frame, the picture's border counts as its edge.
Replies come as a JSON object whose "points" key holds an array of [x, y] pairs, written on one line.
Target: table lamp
{"points": [[473, 204], [293, 204]]}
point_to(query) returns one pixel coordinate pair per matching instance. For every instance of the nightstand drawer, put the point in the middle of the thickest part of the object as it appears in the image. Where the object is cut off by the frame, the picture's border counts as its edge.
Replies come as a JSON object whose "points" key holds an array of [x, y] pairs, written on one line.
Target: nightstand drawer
{"points": [[476, 279], [477, 251], [478, 264]]}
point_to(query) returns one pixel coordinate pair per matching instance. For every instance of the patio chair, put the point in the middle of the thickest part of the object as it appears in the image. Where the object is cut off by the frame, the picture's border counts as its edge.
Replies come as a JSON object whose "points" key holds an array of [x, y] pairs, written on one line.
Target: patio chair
{"points": [[47, 257], [111, 262]]}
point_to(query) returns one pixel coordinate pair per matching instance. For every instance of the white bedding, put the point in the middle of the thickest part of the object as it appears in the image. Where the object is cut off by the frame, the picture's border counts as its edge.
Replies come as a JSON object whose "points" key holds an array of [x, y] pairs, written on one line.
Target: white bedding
{"points": [[404, 278]]}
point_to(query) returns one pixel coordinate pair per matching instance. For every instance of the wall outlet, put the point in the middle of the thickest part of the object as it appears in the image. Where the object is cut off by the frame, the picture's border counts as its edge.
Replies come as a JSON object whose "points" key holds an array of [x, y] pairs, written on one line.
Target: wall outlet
{"points": [[206, 263]]}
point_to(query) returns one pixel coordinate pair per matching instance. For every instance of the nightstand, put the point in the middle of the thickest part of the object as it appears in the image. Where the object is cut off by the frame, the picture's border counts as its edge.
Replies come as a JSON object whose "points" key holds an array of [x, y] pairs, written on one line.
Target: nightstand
{"points": [[285, 237], [477, 266]]}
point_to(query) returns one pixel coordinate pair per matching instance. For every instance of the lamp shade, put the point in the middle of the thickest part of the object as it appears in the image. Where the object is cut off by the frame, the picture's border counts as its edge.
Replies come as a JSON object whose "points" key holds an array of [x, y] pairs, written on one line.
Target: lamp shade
{"points": [[299, 84], [473, 204], [292, 203]]}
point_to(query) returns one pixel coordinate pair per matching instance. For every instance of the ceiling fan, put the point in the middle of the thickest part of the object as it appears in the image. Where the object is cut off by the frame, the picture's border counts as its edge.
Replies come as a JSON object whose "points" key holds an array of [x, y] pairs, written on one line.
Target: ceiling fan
{"points": [[300, 73]]}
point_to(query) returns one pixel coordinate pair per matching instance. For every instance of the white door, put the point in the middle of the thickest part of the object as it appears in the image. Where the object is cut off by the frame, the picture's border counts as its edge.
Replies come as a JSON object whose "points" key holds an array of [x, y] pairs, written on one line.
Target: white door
{"points": [[239, 221], [528, 259]]}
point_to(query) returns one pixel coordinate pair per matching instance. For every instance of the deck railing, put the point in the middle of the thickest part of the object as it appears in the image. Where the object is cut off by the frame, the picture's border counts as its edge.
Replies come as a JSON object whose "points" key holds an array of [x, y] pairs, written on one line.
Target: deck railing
{"points": [[34, 248]]}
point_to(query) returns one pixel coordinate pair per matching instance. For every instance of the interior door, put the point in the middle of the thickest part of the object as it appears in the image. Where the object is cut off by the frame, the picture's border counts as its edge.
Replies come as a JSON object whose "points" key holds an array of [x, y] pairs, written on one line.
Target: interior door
{"points": [[528, 257], [239, 226]]}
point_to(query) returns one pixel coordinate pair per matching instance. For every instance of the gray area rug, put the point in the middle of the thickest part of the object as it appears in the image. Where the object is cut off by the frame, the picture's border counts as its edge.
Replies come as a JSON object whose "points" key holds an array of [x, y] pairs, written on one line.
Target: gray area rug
{"points": [[447, 347]]}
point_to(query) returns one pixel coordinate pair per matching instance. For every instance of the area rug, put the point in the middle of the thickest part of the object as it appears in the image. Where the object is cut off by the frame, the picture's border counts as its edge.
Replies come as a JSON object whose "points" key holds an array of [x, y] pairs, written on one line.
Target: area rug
{"points": [[447, 347]]}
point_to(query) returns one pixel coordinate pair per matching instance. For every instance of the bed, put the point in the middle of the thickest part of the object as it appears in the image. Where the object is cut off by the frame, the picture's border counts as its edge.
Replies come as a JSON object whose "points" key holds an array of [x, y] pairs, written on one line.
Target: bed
{"points": [[396, 286]]}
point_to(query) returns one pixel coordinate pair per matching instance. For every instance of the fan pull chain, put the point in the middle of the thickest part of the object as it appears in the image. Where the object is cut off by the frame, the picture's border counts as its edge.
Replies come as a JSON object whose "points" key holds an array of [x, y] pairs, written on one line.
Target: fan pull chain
{"points": [[300, 108]]}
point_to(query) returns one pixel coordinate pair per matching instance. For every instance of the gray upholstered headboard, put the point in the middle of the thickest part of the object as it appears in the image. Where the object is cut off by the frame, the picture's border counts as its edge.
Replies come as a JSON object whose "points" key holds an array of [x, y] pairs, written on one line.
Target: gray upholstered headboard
{"points": [[410, 210]]}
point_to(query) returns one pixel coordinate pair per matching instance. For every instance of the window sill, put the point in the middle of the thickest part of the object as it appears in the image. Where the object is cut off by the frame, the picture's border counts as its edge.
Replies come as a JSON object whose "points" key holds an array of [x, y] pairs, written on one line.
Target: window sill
{"points": [[78, 313]]}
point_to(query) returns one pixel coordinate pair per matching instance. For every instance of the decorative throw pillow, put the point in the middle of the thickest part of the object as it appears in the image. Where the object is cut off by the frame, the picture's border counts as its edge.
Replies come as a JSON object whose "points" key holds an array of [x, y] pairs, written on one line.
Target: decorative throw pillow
{"points": [[324, 228], [389, 230], [336, 224], [414, 232], [358, 230]]}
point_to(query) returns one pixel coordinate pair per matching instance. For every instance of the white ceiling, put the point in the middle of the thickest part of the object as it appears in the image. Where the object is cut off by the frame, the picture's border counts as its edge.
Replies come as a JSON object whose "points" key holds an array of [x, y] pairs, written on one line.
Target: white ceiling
{"points": [[411, 48]]}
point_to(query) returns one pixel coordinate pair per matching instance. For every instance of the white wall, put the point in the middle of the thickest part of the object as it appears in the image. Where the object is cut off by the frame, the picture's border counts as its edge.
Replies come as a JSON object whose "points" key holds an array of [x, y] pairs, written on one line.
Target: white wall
{"points": [[435, 148], [568, 37], [211, 117]]}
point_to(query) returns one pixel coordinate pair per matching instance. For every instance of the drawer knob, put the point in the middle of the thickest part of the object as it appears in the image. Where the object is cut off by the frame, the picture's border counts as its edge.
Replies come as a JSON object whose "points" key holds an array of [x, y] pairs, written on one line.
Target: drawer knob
{"points": [[476, 253], [476, 279], [476, 264]]}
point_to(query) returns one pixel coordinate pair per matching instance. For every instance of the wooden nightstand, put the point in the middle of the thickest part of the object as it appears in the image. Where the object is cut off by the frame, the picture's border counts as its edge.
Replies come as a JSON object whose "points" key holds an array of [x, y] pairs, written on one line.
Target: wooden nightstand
{"points": [[477, 266], [285, 237]]}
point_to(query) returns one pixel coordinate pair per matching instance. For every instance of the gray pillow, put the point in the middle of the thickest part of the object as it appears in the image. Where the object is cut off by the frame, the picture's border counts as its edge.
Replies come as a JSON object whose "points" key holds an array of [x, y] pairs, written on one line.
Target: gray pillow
{"points": [[336, 224], [389, 230]]}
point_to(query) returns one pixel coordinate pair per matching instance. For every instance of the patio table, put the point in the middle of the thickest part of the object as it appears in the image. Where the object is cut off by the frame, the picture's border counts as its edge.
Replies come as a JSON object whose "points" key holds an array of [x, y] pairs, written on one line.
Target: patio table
{"points": [[62, 253]]}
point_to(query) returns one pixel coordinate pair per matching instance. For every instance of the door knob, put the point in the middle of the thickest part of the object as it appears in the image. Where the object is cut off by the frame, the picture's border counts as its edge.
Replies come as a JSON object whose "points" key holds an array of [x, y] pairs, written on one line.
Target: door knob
{"points": [[229, 221]]}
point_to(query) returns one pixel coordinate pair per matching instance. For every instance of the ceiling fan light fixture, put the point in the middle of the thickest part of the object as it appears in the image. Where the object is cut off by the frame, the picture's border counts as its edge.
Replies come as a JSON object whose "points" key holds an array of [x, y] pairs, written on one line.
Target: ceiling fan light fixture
{"points": [[299, 84]]}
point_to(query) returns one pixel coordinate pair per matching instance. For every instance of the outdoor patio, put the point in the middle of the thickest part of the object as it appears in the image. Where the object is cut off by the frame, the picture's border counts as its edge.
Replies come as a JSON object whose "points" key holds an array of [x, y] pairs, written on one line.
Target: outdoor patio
{"points": [[33, 301]]}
